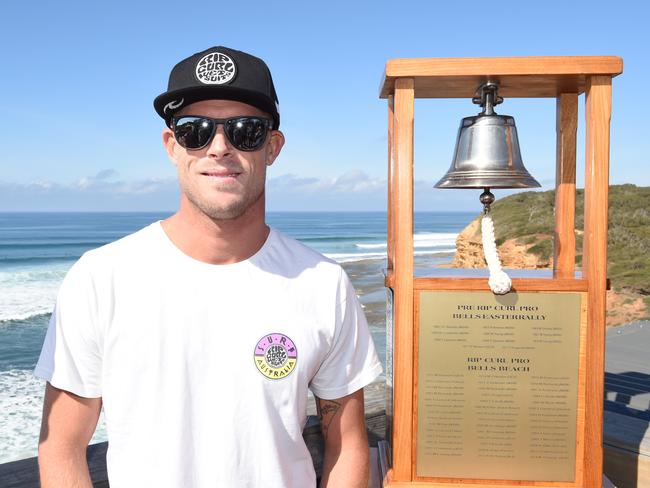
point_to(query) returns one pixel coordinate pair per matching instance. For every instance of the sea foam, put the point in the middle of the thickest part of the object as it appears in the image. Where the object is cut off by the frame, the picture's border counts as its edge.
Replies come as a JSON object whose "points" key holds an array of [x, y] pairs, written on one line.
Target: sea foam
{"points": [[352, 257], [421, 240], [21, 407], [29, 291]]}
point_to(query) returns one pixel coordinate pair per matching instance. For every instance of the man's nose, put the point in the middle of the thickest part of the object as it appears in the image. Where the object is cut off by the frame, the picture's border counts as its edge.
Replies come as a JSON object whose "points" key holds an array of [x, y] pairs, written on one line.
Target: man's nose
{"points": [[220, 145]]}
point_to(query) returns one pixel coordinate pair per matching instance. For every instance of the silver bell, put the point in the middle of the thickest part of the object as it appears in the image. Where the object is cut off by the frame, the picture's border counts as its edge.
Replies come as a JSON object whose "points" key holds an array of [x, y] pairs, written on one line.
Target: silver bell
{"points": [[487, 150]]}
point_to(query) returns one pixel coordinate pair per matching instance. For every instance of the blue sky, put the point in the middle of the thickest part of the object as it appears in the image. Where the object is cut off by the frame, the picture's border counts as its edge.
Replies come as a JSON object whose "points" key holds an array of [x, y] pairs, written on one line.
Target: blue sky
{"points": [[79, 131]]}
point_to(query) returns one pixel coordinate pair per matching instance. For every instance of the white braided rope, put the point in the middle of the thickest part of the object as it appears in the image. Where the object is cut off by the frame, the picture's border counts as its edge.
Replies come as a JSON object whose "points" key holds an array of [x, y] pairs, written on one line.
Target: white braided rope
{"points": [[499, 281]]}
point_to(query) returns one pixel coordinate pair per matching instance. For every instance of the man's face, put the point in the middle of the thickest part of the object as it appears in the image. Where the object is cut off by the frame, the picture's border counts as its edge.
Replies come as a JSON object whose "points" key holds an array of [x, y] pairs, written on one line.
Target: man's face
{"points": [[219, 180]]}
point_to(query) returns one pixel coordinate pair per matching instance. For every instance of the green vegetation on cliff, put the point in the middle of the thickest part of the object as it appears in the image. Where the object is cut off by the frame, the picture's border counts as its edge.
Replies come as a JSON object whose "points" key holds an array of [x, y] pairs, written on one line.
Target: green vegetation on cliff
{"points": [[529, 218]]}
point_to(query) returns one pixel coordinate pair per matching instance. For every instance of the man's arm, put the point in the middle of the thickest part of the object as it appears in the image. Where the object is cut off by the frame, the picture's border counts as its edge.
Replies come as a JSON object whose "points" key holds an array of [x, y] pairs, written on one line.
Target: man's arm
{"points": [[67, 427], [343, 424]]}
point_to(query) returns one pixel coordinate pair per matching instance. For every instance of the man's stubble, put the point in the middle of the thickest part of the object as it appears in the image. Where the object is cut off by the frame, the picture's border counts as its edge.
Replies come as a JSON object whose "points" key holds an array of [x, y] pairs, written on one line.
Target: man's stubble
{"points": [[230, 211]]}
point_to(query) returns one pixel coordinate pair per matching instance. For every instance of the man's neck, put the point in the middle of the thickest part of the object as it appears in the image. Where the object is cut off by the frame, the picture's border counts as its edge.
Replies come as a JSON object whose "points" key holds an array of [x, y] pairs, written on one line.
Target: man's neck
{"points": [[217, 241]]}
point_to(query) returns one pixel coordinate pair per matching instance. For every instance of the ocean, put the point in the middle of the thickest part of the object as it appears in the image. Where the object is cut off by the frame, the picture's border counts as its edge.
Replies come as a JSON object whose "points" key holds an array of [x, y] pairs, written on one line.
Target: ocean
{"points": [[37, 249]]}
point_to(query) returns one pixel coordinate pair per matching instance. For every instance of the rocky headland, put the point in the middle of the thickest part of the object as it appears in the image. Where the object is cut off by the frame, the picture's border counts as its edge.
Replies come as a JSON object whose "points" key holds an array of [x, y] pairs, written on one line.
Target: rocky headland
{"points": [[524, 226]]}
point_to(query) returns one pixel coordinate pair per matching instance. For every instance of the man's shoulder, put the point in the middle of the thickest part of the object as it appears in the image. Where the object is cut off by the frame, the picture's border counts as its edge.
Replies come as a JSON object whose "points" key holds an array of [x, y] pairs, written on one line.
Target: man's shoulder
{"points": [[298, 255], [131, 247], [299, 250]]}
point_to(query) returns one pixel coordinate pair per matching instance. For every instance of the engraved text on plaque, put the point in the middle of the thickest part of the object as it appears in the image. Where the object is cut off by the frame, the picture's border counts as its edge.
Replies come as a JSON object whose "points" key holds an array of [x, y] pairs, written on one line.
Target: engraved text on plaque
{"points": [[498, 385]]}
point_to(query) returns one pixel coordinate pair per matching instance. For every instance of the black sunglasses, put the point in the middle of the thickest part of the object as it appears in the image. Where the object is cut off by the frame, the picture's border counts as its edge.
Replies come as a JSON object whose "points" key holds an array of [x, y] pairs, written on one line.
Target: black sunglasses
{"points": [[245, 133]]}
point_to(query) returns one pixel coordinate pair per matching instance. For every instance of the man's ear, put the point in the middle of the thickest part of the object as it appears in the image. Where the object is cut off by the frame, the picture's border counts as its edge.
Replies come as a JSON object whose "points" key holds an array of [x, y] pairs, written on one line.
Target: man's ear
{"points": [[170, 144], [274, 146]]}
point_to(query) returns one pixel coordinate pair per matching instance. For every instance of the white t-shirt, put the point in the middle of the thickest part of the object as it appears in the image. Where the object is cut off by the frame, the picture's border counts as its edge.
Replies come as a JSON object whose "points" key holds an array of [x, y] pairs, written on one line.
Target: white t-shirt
{"points": [[204, 369]]}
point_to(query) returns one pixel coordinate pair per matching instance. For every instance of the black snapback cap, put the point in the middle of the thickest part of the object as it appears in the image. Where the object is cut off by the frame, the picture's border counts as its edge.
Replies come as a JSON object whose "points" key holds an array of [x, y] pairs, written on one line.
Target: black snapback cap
{"points": [[219, 73]]}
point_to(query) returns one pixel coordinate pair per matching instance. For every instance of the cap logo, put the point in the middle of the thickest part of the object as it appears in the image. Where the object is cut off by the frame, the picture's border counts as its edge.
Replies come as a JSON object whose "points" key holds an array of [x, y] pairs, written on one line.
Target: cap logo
{"points": [[173, 105], [215, 69]]}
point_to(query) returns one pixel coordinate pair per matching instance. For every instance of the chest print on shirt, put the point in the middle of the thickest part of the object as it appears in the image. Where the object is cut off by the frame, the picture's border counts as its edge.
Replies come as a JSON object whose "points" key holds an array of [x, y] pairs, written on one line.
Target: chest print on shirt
{"points": [[275, 356]]}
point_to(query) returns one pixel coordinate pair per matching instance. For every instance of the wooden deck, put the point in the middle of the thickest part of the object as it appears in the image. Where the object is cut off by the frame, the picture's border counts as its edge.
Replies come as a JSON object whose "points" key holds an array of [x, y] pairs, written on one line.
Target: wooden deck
{"points": [[626, 435]]}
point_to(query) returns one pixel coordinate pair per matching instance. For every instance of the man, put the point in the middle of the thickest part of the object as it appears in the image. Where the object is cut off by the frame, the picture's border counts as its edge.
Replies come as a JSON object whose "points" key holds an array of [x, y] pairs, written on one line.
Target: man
{"points": [[201, 334]]}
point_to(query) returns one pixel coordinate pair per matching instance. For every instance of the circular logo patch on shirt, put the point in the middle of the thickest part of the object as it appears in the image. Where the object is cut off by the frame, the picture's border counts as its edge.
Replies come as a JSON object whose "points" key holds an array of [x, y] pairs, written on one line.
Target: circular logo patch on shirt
{"points": [[215, 69], [275, 356]]}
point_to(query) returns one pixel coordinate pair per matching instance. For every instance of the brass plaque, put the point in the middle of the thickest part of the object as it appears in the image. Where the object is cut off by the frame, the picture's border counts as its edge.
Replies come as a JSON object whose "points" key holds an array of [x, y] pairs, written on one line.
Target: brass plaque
{"points": [[498, 385]]}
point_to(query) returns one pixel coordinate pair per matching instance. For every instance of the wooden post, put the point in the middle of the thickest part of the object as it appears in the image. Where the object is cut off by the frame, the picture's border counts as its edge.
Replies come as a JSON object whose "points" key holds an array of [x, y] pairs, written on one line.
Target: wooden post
{"points": [[390, 244], [564, 253], [403, 288], [594, 268]]}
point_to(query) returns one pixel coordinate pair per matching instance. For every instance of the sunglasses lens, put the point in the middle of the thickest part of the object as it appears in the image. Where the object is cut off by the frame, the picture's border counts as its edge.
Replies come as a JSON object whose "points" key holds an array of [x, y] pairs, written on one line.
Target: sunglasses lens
{"points": [[193, 132], [247, 133]]}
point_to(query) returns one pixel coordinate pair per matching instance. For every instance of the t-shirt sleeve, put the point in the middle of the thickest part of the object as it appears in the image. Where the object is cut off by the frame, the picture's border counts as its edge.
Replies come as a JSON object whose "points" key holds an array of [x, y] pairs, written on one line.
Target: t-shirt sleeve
{"points": [[71, 356], [352, 361]]}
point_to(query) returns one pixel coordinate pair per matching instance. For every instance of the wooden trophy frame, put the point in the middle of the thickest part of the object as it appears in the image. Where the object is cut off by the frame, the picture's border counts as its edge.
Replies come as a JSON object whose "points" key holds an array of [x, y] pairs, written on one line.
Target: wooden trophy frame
{"points": [[562, 78]]}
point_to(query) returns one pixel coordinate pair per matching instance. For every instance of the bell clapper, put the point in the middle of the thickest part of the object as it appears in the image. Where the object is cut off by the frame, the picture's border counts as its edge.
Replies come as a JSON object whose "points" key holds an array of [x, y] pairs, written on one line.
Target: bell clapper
{"points": [[499, 281], [487, 199]]}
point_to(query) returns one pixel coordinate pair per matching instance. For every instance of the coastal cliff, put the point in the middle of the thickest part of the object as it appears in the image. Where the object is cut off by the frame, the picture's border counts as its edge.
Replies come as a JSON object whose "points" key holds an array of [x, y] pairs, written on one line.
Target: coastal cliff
{"points": [[524, 226]]}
